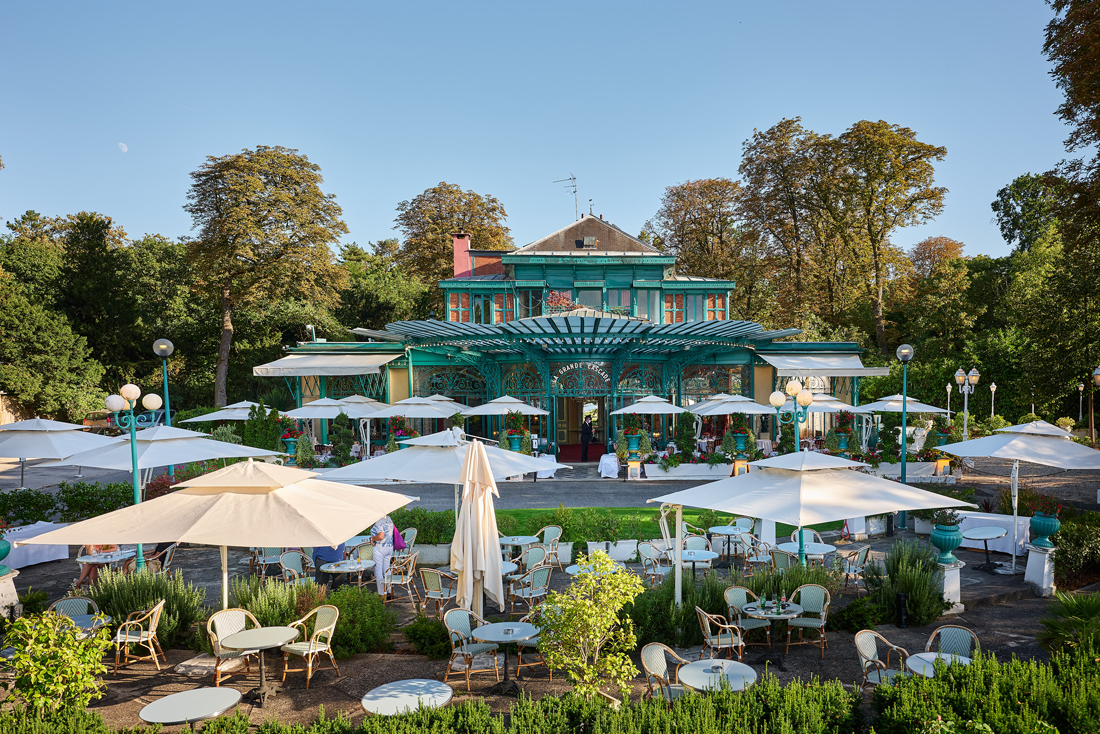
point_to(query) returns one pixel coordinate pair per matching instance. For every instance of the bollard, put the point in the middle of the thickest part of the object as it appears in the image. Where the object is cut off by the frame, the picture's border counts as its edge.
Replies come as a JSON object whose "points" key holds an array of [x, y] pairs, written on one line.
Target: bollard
{"points": [[902, 619], [889, 525]]}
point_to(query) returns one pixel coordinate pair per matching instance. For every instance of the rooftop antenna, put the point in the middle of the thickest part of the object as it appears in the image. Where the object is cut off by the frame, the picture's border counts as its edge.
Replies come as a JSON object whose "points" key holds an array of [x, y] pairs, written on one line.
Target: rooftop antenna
{"points": [[589, 207], [572, 185]]}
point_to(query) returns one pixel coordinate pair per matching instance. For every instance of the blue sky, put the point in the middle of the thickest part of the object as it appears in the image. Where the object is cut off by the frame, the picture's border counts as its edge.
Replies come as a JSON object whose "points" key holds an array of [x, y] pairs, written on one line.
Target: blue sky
{"points": [[504, 98]]}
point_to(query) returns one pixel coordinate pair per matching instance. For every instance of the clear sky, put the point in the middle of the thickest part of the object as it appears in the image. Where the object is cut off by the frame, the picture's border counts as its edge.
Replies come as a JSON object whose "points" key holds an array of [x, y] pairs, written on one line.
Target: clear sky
{"points": [[504, 98]]}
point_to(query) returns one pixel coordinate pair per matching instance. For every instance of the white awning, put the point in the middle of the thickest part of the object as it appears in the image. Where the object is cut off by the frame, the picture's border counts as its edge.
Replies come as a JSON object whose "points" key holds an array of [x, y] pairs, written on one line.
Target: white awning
{"points": [[824, 365], [327, 365]]}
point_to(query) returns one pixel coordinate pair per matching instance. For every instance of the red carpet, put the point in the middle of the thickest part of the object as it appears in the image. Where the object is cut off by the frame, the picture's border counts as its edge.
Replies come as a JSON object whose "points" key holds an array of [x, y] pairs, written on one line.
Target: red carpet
{"points": [[572, 452]]}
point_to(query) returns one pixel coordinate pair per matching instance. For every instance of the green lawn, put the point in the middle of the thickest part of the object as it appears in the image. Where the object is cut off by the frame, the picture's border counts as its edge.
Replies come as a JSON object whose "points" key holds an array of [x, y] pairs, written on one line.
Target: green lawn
{"points": [[530, 521]]}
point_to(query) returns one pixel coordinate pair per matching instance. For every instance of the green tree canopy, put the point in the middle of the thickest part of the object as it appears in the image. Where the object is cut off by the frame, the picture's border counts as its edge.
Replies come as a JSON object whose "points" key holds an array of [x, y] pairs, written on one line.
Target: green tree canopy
{"points": [[379, 291]]}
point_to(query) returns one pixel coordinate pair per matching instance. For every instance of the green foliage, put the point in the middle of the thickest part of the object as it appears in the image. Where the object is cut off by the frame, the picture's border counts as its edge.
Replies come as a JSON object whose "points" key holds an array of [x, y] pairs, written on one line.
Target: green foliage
{"points": [[433, 527], [1066, 423], [458, 420], [832, 443], [342, 438], [34, 602], [278, 398], [959, 492], [203, 427], [910, 568], [656, 617], [861, 614], [683, 433], [52, 665], [429, 636], [272, 601], [118, 595], [227, 434], [1072, 622], [80, 500], [304, 457], [621, 449], [581, 629], [768, 581], [1077, 561], [27, 506], [526, 445], [262, 430], [365, 622], [1028, 418]]}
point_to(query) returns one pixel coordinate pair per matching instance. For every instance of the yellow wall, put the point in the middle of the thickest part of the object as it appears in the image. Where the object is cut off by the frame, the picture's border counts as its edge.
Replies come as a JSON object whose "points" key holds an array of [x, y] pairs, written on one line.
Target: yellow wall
{"points": [[762, 381], [399, 384]]}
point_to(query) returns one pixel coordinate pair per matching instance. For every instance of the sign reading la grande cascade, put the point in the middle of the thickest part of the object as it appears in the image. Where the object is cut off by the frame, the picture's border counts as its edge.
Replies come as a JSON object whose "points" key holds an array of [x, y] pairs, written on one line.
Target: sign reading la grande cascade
{"points": [[581, 375]]}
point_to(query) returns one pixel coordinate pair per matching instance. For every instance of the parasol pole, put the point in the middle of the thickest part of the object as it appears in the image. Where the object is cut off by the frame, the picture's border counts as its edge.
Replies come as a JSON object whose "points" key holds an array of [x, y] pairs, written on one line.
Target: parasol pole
{"points": [[678, 554], [225, 577], [1014, 484]]}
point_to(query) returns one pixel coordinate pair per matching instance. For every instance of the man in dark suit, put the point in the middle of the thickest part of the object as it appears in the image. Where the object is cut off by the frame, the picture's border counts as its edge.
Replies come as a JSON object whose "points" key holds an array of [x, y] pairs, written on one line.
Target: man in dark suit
{"points": [[586, 436]]}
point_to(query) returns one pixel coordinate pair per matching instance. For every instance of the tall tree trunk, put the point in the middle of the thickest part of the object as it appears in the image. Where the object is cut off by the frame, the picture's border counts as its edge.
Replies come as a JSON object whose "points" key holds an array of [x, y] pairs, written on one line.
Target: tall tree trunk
{"points": [[221, 371], [880, 325]]}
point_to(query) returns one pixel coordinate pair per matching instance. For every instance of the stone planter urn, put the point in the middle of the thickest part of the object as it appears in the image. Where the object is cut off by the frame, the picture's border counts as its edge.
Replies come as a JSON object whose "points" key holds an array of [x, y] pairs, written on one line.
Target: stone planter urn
{"points": [[946, 538], [514, 441], [842, 439], [942, 438], [740, 439], [5, 549], [922, 527], [291, 449], [633, 444], [1042, 524]]}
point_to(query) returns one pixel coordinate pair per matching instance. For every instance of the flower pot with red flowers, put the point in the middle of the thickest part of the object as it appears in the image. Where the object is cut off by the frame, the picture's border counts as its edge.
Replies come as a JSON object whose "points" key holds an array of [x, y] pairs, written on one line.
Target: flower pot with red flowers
{"points": [[515, 429], [632, 429], [739, 429], [1045, 522], [845, 427], [399, 430], [290, 441]]}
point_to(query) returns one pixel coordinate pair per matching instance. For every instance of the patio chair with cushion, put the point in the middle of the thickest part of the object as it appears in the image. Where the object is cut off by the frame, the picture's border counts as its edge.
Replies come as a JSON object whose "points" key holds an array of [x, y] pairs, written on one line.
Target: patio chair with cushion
{"points": [[402, 573], [744, 522], [531, 647], [268, 557], [875, 671], [460, 624], [782, 560], [222, 624], [293, 565], [74, 606], [140, 628], [530, 559], [655, 666], [718, 634], [438, 588], [698, 542], [324, 626], [409, 536], [551, 536], [953, 640], [736, 598], [813, 599], [853, 564], [809, 535], [649, 551], [653, 573], [758, 554], [530, 588]]}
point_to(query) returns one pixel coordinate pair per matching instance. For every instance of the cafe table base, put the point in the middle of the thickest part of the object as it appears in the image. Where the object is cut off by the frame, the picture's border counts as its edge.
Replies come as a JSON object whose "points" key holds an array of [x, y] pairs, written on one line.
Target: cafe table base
{"points": [[504, 634], [260, 639]]}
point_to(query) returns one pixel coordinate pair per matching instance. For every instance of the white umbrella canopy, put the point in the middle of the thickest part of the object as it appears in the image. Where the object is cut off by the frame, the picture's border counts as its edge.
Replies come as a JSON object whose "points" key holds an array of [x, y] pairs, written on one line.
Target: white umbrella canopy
{"points": [[715, 398], [475, 552], [651, 405], [735, 404], [454, 437], [39, 438], [504, 405], [893, 404], [363, 400], [823, 403], [246, 504], [418, 408], [160, 446], [1038, 443], [235, 412], [329, 409], [441, 398]]}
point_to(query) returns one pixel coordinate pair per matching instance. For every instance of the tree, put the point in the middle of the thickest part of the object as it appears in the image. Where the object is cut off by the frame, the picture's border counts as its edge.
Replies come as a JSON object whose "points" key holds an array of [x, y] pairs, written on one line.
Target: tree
{"points": [[1025, 209], [265, 230], [379, 291], [34, 253], [428, 221], [930, 254], [1071, 46]]}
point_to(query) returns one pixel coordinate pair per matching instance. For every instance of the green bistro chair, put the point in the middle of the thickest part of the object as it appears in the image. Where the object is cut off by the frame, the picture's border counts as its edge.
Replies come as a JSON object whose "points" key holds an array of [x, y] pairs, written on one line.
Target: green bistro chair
{"points": [[74, 606], [853, 565], [293, 565], [809, 535], [530, 589], [222, 624], [736, 598], [438, 588], [953, 640], [718, 634], [460, 624], [698, 542], [551, 536], [140, 628], [324, 626], [655, 666], [409, 536], [782, 560], [402, 572], [530, 559], [268, 557], [757, 554], [813, 599], [875, 671]]}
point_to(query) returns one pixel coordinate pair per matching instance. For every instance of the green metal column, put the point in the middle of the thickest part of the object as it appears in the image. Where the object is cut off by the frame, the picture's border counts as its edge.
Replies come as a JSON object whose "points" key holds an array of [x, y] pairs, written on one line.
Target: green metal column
{"points": [[322, 388]]}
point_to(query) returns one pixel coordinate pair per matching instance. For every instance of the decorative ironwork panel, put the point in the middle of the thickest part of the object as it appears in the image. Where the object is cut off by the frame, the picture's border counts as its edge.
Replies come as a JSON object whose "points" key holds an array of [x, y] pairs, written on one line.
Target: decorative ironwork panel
{"points": [[640, 379], [453, 382], [522, 379], [373, 386], [580, 379], [701, 381]]}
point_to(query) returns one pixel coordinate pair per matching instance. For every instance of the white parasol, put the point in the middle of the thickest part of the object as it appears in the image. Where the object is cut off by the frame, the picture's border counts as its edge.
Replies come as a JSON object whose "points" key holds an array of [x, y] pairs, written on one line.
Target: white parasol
{"points": [[475, 552]]}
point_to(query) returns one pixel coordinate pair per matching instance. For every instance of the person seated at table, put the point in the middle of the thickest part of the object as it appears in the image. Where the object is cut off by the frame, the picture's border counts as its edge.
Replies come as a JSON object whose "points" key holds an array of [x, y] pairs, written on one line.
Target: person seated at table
{"points": [[89, 572], [324, 555], [153, 555], [356, 450], [381, 535]]}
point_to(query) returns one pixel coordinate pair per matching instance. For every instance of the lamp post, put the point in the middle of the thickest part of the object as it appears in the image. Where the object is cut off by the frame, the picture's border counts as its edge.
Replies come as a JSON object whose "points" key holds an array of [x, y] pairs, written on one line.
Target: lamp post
{"points": [[966, 382], [949, 401], [1092, 413], [123, 408], [992, 397], [801, 399], [163, 349], [904, 353], [1080, 401]]}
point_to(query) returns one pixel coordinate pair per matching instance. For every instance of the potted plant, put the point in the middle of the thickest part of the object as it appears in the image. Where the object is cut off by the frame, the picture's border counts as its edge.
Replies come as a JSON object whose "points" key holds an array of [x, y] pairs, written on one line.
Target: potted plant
{"points": [[5, 546], [739, 429], [514, 429], [399, 430], [1044, 523], [290, 440], [946, 535], [845, 425], [941, 426], [632, 429]]}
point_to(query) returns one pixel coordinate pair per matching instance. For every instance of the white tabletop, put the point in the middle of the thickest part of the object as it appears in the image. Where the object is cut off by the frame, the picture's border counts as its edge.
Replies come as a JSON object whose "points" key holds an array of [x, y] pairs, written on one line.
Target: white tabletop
{"points": [[403, 696], [701, 675], [508, 567], [812, 549], [575, 568], [987, 532], [499, 632], [260, 638], [694, 556], [754, 610], [609, 466], [188, 706], [107, 557], [348, 566], [357, 540], [90, 621], [519, 540], [924, 663], [728, 530]]}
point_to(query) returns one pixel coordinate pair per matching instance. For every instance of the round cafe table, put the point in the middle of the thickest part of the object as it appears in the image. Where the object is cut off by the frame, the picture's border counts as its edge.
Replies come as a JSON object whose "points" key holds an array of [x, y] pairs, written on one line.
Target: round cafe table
{"points": [[349, 566], [403, 696], [924, 663], [504, 633], [106, 558], [707, 675], [90, 622], [759, 610], [730, 531], [518, 540], [817, 550], [190, 706], [575, 568], [697, 556], [985, 534], [260, 639]]}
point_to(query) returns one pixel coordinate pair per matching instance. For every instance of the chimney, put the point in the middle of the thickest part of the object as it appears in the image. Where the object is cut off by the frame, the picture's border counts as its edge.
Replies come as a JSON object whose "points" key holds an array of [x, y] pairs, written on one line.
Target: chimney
{"points": [[464, 267]]}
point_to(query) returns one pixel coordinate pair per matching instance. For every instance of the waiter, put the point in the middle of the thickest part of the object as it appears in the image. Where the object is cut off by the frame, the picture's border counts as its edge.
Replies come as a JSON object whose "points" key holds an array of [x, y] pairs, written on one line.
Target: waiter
{"points": [[586, 436]]}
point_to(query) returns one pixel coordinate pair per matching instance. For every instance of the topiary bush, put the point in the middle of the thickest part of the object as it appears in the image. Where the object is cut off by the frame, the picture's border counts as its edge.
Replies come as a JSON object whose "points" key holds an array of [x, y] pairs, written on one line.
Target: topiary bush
{"points": [[429, 636], [118, 595]]}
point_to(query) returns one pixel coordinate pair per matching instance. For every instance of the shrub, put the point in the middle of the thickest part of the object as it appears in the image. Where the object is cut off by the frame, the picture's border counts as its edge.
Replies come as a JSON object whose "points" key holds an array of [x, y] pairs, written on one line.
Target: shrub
{"points": [[861, 614], [1077, 561], [432, 527], [27, 506], [910, 568], [80, 500], [204, 426], [263, 429], [118, 595], [273, 602], [429, 636], [1029, 418], [303, 453], [657, 618], [365, 622], [1066, 424], [581, 631], [342, 438], [51, 664], [227, 434], [1071, 622], [34, 602]]}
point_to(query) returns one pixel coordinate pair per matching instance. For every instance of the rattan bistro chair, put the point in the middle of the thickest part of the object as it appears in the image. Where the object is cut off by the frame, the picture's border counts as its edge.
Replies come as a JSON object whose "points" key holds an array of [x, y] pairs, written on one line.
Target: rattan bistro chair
{"points": [[293, 564], [439, 588], [402, 573], [853, 565], [551, 537], [74, 606], [140, 628], [953, 640], [736, 598], [718, 634], [875, 671], [460, 625], [813, 599], [531, 588], [222, 624], [324, 626], [655, 666]]}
